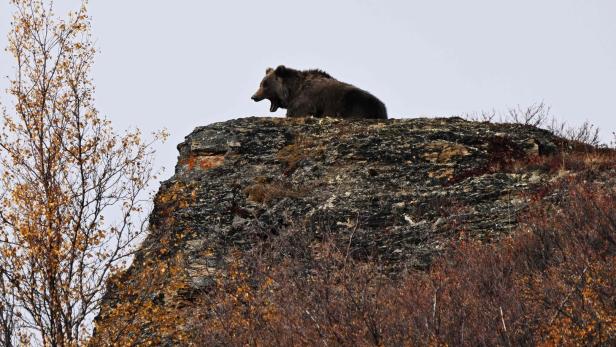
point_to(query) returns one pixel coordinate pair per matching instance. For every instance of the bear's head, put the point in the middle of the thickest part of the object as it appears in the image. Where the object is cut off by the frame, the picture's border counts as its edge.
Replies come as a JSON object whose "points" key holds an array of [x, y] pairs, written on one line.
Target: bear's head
{"points": [[274, 88]]}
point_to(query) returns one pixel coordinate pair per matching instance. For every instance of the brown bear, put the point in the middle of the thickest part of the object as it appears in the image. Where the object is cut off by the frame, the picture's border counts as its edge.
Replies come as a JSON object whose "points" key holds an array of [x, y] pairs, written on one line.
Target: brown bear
{"points": [[316, 93]]}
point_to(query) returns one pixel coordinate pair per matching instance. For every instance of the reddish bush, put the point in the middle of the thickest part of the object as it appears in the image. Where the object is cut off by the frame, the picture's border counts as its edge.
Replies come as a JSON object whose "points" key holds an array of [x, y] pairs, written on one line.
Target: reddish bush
{"points": [[553, 281]]}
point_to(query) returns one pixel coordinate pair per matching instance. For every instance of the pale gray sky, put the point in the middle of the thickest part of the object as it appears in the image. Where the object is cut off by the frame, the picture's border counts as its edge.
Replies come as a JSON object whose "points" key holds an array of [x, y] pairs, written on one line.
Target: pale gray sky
{"points": [[180, 64]]}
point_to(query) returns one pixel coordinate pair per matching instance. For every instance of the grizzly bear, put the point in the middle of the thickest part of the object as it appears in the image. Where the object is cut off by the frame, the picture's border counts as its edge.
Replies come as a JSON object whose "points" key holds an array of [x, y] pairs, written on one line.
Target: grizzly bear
{"points": [[316, 93]]}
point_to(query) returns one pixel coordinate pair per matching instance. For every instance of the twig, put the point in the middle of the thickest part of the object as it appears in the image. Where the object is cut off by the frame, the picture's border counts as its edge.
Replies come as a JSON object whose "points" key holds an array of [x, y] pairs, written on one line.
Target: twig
{"points": [[346, 256], [562, 304], [503, 319]]}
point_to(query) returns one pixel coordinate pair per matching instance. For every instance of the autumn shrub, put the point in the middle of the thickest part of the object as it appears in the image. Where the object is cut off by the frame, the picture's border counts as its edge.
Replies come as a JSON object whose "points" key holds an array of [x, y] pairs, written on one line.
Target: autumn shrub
{"points": [[539, 115], [550, 282]]}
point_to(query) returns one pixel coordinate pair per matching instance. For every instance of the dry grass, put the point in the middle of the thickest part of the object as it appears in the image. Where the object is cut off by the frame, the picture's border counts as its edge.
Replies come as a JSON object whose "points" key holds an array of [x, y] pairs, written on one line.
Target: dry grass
{"points": [[302, 148], [264, 192]]}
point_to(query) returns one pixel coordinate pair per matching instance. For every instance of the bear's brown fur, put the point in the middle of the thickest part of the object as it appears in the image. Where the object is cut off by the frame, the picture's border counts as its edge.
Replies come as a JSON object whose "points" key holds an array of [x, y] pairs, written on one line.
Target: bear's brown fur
{"points": [[316, 93]]}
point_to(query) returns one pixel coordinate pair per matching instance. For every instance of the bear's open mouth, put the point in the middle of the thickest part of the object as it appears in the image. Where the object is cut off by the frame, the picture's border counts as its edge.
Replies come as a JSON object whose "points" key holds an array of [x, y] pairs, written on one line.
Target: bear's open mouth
{"points": [[274, 105]]}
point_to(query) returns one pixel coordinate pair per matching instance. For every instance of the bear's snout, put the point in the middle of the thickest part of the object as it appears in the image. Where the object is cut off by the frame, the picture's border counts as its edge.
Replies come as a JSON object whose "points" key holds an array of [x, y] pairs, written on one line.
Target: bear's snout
{"points": [[256, 98]]}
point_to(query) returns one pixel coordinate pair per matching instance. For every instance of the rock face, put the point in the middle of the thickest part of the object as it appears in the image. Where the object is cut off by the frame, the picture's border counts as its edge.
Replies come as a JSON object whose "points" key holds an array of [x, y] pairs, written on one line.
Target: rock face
{"points": [[393, 190]]}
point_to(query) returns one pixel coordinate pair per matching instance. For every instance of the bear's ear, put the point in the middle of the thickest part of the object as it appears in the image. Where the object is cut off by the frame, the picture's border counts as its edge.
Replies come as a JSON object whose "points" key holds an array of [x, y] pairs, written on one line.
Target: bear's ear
{"points": [[268, 70], [281, 70]]}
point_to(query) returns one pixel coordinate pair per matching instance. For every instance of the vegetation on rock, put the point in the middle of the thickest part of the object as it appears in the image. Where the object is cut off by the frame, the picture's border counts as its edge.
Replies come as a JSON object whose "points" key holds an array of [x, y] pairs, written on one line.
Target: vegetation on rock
{"points": [[398, 232]]}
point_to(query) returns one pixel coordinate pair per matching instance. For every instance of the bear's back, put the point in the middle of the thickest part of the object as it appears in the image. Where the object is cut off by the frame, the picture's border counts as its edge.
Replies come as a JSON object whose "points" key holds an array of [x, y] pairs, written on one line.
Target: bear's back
{"points": [[332, 97]]}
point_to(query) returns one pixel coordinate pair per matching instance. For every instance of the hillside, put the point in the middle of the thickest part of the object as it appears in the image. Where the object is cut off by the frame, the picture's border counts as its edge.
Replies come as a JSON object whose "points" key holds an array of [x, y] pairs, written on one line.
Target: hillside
{"points": [[346, 219]]}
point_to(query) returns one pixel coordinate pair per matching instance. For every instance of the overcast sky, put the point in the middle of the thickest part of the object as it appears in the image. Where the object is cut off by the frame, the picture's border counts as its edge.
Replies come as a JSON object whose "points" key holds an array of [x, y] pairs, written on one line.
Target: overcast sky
{"points": [[181, 64]]}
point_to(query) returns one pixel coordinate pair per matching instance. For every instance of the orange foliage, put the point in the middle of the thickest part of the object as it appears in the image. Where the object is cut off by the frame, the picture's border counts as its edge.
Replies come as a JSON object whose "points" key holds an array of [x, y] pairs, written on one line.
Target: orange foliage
{"points": [[63, 168], [146, 310]]}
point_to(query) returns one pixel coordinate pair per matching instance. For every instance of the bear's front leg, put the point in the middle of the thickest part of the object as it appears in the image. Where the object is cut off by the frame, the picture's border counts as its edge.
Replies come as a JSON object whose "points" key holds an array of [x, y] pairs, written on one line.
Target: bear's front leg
{"points": [[301, 111]]}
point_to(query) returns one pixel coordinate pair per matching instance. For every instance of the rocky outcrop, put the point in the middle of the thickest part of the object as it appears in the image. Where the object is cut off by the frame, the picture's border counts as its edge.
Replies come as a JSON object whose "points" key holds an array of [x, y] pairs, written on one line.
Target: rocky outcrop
{"points": [[397, 191]]}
